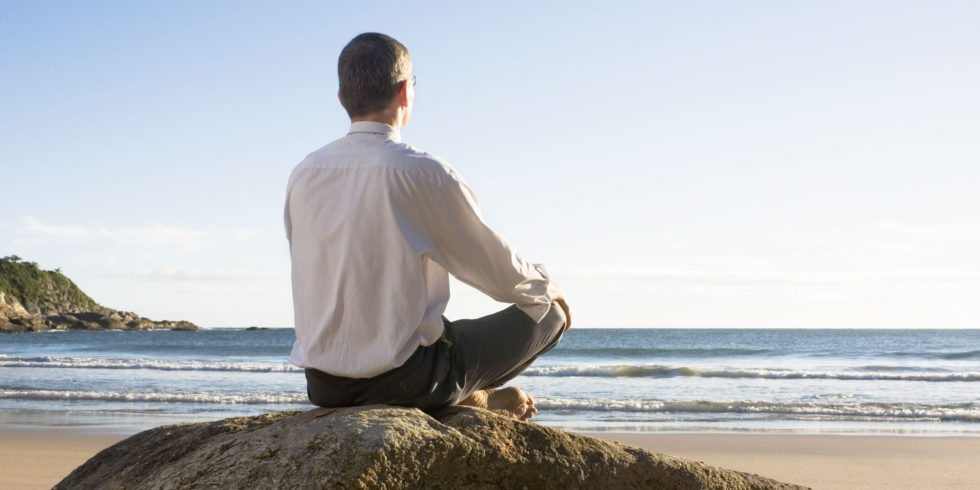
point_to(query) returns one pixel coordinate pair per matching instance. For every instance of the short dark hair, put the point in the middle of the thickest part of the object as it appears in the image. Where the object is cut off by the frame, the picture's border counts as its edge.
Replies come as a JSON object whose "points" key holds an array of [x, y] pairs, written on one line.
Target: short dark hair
{"points": [[370, 69]]}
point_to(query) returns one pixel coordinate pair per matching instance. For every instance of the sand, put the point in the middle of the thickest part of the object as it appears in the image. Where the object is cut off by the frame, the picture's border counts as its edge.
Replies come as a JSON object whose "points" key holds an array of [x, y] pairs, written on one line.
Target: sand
{"points": [[828, 461], [40, 459], [35, 459]]}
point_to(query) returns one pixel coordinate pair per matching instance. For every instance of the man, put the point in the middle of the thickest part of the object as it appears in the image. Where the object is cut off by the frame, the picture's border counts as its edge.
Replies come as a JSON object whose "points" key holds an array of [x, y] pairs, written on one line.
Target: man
{"points": [[374, 227]]}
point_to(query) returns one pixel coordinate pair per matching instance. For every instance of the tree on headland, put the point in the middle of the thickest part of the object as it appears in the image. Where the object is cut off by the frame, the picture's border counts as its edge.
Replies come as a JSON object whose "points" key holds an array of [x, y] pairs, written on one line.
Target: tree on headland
{"points": [[32, 300], [38, 289]]}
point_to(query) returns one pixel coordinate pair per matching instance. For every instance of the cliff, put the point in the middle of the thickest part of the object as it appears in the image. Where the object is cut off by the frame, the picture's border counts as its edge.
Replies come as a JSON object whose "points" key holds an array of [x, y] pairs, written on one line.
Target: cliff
{"points": [[387, 447], [33, 300]]}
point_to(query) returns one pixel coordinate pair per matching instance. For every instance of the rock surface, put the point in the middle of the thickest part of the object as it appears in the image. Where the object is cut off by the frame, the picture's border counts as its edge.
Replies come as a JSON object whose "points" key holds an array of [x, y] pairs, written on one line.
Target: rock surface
{"points": [[33, 300], [387, 447]]}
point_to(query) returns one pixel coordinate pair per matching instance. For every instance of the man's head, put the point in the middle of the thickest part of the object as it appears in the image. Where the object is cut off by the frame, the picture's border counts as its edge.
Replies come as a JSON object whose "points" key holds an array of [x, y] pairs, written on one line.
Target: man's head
{"points": [[375, 76]]}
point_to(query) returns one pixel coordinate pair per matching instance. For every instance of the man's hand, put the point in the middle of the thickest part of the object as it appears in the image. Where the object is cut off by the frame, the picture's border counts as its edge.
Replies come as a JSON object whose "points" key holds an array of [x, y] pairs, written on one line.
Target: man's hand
{"points": [[568, 312]]}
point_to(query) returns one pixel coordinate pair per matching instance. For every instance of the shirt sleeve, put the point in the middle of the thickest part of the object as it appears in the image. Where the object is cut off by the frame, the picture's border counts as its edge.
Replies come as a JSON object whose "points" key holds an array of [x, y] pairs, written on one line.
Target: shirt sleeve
{"points": [[288, 222], [477, 255]]}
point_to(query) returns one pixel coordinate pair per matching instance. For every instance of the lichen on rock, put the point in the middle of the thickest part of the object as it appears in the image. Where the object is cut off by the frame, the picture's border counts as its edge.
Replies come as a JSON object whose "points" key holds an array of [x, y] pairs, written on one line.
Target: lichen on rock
{"points": [[389, 447]]}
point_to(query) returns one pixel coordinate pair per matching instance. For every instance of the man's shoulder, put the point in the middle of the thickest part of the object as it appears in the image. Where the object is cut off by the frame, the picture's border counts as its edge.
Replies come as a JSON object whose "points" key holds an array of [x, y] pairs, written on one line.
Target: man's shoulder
{"points": [[413, 163], [411, 158]]}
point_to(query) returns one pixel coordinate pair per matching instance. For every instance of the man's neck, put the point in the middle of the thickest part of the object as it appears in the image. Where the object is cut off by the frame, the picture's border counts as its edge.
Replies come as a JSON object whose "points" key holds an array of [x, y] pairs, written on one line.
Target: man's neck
{"points": [[393, 122], [395, 117]]}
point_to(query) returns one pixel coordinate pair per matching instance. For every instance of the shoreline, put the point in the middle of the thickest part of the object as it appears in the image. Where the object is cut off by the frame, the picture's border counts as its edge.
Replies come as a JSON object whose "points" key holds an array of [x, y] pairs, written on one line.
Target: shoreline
{"points": [[41, 458]]}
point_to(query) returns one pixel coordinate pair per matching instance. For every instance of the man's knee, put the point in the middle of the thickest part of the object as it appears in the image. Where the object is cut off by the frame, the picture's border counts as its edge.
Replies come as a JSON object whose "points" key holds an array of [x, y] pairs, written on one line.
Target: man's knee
{"points": [[556, 318], [553, 326]]}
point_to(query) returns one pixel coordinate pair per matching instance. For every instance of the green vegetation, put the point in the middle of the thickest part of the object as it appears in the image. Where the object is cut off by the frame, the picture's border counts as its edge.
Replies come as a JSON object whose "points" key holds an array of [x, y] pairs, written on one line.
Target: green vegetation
{"points": [[34, 287]]}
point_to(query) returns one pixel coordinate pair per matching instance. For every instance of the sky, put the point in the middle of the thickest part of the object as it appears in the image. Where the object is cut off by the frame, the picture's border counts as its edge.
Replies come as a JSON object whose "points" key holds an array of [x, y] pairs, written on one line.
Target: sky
{"points": [[673, 164]]}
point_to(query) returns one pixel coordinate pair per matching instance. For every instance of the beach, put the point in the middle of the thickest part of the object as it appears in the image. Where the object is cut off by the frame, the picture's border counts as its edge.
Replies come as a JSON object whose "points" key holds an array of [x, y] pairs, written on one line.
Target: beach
{"points": [[36, 459], [828, 461], [824, 408]]}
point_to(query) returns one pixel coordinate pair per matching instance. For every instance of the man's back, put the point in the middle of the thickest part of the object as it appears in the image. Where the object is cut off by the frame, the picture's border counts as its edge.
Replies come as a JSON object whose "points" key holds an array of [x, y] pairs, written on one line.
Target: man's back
{"points": [[349, 205], [374, 226]]}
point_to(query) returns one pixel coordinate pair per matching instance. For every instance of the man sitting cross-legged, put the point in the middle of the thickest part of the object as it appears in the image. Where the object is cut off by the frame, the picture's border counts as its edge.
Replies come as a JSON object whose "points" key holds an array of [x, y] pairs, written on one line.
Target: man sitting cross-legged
{"points": [[375, 227]]}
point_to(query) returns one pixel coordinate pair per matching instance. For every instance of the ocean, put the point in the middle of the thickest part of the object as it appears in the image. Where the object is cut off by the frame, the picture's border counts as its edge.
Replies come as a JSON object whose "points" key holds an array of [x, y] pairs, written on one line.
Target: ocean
{"points": [[899, 382]]}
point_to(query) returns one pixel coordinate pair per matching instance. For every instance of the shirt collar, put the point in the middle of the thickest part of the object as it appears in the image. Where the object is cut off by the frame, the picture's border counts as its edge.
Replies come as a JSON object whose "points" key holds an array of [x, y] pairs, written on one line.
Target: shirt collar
{"points": [[373, 127]]}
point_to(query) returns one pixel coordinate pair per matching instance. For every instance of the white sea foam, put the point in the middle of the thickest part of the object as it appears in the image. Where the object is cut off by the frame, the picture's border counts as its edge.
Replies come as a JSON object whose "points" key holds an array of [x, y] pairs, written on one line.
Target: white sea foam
{"points": [[869, 373], [121, 396], [657, 371], [164, 365], [809, 411], [791, 411]]}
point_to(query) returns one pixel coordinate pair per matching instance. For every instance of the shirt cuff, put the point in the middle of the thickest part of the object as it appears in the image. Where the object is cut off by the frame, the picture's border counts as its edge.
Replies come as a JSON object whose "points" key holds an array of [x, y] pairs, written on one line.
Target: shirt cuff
{"points": [[539, 308]]}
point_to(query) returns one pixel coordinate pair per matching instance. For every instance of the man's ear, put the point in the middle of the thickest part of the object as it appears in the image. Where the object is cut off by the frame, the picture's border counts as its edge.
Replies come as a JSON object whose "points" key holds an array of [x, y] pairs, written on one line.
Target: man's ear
{"points": [[403, 94]]}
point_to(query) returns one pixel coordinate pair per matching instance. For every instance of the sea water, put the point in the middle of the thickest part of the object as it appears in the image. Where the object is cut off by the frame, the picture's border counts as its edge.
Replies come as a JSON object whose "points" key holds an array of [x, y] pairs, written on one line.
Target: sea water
{"points": [[923, 382]]}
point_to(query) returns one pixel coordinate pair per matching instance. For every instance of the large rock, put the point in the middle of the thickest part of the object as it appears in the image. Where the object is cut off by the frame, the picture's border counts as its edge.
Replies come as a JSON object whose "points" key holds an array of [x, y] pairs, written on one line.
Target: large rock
{"points": [[386, 447]]}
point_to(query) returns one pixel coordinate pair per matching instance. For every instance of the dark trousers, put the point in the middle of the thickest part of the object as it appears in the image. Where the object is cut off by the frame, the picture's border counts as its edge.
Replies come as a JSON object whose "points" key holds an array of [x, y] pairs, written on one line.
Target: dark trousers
{"points": [[471, 355]]}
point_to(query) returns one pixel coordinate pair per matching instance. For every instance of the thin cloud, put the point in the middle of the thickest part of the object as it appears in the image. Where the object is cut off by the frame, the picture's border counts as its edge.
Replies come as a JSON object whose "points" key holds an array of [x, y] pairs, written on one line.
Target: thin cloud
{"points": [[194, 275], [158, 235], [767, 281], [949, 231], [69, 232], [154, 235]]}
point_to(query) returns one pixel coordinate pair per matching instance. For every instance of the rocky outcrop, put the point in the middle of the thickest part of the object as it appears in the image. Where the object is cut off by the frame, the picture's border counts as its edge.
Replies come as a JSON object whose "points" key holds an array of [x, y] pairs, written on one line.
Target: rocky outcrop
{"points": [[33, 300], [387, 447]]}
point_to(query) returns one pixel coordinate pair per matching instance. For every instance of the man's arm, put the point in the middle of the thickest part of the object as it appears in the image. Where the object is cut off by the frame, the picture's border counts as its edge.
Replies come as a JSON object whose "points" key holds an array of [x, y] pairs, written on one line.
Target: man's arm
{"points": [[477, 255]]}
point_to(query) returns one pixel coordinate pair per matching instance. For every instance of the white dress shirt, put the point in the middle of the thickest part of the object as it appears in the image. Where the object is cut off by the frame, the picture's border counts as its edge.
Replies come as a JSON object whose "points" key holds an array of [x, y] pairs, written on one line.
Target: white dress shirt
{"points": [[374, 227]]}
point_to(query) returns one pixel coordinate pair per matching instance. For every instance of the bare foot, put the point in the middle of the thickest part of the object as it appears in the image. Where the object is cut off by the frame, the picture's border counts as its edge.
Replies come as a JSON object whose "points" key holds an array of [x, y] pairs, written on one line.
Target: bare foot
{"points": [[511, 401], [477, 399]]}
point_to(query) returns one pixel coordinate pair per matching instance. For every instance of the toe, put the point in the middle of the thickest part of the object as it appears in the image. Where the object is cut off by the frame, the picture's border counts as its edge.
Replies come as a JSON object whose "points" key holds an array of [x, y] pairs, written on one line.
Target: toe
{"points": [[527, 414]]}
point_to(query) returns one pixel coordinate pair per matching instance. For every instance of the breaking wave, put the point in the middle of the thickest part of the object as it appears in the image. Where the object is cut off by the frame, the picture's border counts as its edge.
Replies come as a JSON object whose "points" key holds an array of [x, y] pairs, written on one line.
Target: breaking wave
{"points": [[797, 411], [121, 396], [163, 365], [658, 371]]}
